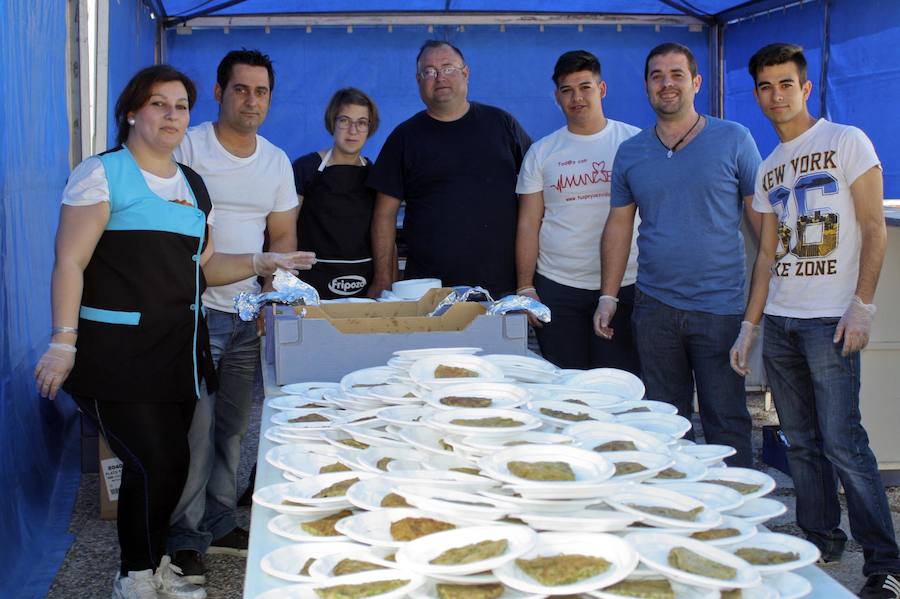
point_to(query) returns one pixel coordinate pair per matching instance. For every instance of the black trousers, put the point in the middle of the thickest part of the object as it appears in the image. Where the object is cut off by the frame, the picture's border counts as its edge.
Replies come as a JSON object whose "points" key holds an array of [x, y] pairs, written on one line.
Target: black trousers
{"points": [[151, 441]]}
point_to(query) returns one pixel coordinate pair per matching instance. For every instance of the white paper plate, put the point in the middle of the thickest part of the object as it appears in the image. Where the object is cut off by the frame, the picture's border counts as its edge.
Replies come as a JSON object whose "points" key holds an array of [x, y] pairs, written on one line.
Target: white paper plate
{"points": [[359, 382], [757, 511], [304, 491], [536, 506], [571, 410], [415, 354], [298, 402], [502, 395], [622, 556], [422, 371], [586, 520], [395, 393], [309, 464], [446, 479], [610, 381], [429, 590], [286, 562], [284, 435], [492, 443], [773, 541], [716, 497], [708, 454], [589, 467], [653, 462], [443, 421], [668, 424], [288, 526], [368, 494], [277, 454], [743, 475], [645, 495], [592, 399], [284, 417], [654, 551], [523, 362], [788, 584], [645, 441], [444, 462], [374, 528], [307, 591], [405, 415], [691, 468], [644, 406], [368, 459], [336, 438], [746, 531], [681, 591], [309, 389], [371, 433], [425, 438], [416, 555], [460, 504], [272, 496], [322, 568]]}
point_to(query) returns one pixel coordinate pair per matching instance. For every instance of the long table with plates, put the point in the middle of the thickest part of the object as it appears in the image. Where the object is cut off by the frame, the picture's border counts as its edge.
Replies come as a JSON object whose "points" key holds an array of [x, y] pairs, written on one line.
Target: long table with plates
{"points": [[262, 541]]}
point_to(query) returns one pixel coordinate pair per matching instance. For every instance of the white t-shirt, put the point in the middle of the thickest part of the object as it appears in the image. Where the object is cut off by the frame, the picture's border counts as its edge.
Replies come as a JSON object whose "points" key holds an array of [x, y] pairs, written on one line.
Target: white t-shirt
{"points": [[806, 182], [87, 186], [243, 192], [575, 172]]}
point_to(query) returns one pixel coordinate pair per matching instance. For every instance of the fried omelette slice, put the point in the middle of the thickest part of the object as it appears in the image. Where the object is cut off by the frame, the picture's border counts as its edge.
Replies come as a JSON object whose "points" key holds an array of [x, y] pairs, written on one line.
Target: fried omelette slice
{"points": [[409, 529], [383, 462], [474, 552], [393, 500], [444, 371], [687, 561], [623, 468], [562, 415], [742, 488], [469, 591], [578, 401], [541, 470], [338, 489], [467, 470], [645, 588], [354, 443], [715, 534], [460, 401], [304, 571], [669, 512], [336, 467], [352, 566], [310, 418], [324, 527], [618, 445], [491, 422], [555, 570], [356, 591], [444, 445], [671, 474], [766, 557]]}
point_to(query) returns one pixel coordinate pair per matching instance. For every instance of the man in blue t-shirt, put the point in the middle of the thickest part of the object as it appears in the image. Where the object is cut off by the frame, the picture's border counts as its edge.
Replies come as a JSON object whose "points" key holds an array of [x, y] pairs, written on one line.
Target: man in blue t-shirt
{"points": [[691, 177]]}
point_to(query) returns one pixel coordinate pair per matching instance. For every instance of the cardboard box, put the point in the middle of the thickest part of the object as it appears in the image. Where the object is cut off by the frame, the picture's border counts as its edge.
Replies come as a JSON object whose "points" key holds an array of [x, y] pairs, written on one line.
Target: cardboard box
{"points": [[110, 478], [332, 340]]}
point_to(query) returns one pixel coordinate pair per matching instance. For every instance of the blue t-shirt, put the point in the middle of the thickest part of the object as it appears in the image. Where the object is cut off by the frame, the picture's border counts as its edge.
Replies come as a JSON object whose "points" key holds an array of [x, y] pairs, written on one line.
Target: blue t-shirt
{"points": [[690, 247]]}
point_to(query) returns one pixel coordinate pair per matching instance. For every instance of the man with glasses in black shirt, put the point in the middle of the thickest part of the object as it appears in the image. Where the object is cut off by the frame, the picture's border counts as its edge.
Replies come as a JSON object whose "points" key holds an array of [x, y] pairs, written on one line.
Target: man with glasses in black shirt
{"points": [[455, 165]]}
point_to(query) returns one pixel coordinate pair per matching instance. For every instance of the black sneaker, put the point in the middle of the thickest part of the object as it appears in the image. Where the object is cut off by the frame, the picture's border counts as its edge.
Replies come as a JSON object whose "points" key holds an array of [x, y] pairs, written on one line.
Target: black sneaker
{"points": [[827, 559], [191, 565], [881, 586], [232, 543]]}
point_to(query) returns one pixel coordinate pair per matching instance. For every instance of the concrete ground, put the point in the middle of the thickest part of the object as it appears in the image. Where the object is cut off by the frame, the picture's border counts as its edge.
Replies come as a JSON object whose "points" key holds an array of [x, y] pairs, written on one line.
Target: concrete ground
{"points": [[91, 562]]}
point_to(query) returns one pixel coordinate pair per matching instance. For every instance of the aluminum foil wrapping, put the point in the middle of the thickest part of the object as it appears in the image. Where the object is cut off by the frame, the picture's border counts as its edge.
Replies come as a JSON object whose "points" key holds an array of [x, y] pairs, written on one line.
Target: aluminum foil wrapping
{"points": [[461, 294], [288, 290], [516, 303]]}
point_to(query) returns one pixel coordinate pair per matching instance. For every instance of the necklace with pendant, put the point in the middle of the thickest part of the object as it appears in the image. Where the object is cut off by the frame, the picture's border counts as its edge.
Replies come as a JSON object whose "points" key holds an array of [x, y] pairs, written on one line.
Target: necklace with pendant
{"points": [[677, 143]]}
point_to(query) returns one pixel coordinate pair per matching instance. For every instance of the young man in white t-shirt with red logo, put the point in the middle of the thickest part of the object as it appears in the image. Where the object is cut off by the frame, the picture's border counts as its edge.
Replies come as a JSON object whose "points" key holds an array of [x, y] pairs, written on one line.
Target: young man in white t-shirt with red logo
{"points": [[564, 190], [821, 250]]}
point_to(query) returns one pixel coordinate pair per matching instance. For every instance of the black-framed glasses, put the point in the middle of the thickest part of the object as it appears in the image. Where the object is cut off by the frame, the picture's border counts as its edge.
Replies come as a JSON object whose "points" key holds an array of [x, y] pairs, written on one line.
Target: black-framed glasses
{"points": [[345, 122], [446, 71]]}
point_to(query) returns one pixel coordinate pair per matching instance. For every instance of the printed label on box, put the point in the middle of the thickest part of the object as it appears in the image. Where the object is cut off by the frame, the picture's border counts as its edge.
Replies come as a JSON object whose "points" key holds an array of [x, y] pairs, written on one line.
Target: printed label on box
{"points": [[112, 474]]}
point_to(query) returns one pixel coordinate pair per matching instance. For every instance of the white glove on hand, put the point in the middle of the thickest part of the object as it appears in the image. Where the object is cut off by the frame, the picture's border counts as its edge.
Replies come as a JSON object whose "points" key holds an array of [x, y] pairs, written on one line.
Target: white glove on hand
{"points": [[53, 368], [265, 263], [854, 326], [532, 293], [740, 351], [603, 315]]}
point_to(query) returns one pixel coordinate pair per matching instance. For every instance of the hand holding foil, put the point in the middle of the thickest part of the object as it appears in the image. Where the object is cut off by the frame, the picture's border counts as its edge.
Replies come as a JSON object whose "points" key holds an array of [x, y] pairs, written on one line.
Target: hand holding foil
{"points": [[288, 290], [516, 303]]}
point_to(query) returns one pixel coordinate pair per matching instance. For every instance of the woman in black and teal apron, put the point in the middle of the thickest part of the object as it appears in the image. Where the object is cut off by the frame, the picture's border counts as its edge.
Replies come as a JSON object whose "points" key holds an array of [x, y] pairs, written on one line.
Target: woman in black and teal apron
{"points": [[336, 206], [129, 341]]}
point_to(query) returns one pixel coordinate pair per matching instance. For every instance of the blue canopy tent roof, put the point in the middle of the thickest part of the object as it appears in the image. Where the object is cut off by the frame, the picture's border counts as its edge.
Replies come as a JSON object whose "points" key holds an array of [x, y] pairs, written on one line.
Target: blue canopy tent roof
{"points": [[318, 46]]}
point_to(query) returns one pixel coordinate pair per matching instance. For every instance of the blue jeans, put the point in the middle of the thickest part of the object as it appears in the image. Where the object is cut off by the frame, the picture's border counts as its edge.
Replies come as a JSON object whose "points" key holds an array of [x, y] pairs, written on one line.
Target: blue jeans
{"points": [[568, 340], [681, 347], [206, 510], [816, 393]]}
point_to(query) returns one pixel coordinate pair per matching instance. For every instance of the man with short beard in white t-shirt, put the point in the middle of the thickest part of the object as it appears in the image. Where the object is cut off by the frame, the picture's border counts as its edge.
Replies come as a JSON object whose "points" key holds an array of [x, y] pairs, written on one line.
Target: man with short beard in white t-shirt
{"points": [[564, 191], [822, 245]]}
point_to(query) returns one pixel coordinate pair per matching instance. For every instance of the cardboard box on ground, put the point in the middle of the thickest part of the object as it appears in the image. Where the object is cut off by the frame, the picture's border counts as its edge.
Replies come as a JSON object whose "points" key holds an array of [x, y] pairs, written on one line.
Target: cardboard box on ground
{"points": [[110, 478], [332, 340]]}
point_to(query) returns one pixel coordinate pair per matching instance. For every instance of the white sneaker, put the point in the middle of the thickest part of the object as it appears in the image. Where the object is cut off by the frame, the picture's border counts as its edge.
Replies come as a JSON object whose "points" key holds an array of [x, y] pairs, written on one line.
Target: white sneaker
{"points": [[171, 584], [137, 585]]}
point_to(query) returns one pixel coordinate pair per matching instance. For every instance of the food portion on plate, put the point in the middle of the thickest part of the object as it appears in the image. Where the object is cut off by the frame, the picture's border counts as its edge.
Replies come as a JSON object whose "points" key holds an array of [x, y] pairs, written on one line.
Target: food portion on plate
{"points": [[338, 489], [644, 588], [394, 500], [691, 562], [353, 566], [690, 515], [358, 591], [443, 371], [563, 569], [324, 527], [491, 590], [543, 471], [465, 401], [474, 552], [409, 529], [766, 557], [714, 534]]}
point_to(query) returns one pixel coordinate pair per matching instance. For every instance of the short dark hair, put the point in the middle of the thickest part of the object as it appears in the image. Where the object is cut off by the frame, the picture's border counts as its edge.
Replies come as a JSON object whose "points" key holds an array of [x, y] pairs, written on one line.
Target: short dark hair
{"points": [[574, 61], [357, 97], [775, 54], [253, 58], [137, 92], [671, 48], [429, 44]]}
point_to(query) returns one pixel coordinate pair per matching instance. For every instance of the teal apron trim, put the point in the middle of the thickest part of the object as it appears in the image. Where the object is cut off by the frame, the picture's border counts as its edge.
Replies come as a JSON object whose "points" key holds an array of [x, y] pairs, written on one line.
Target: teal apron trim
{"points": [[110, 316]]}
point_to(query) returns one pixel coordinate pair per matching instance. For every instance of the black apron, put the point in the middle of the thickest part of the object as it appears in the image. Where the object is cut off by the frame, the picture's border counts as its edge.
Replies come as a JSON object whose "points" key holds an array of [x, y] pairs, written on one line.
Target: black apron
{"points": [[335, 222]]}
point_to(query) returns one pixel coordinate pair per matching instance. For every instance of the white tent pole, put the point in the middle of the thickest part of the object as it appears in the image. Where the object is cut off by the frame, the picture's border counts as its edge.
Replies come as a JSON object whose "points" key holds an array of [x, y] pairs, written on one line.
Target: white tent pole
{"points": [[101, 90]]}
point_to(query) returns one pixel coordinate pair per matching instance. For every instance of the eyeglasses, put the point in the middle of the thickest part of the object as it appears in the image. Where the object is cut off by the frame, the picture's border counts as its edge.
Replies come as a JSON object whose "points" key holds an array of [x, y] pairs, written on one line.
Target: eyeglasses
{"points": [[345, 122], [446, 71]]}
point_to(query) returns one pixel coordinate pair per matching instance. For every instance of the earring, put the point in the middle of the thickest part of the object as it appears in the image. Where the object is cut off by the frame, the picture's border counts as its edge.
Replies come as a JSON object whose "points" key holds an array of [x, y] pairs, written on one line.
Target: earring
{"points": [[131, 122]]}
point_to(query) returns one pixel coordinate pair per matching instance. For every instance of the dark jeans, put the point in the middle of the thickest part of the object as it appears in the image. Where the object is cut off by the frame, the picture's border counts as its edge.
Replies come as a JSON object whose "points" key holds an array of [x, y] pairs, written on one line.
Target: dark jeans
{"points": [[151, 440], [679, 348], [816, 393], [568, 340]]}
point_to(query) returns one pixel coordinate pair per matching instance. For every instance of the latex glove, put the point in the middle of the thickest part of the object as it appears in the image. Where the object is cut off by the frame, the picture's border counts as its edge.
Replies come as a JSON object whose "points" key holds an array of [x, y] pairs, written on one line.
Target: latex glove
{"points": [[265, 263], [740, 351], [855, 325], [603, 315], [532, 293], [53, 368]]}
